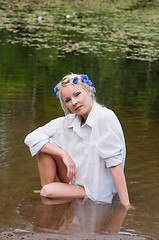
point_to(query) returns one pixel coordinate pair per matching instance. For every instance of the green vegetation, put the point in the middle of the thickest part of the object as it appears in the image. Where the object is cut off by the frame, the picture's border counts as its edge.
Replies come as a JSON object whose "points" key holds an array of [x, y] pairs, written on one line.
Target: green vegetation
{"points": [[129, 28]]}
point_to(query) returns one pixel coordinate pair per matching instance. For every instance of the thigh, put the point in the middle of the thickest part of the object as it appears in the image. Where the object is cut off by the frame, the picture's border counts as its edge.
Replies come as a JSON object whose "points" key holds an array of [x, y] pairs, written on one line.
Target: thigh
{"points": [[62, 190], [49, 167], [61, 170]]}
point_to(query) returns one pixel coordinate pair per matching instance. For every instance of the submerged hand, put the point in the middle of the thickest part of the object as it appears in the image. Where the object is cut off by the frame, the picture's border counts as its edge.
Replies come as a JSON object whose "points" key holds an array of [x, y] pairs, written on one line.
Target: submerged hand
{"points": [[70, 165], [129, 207]]}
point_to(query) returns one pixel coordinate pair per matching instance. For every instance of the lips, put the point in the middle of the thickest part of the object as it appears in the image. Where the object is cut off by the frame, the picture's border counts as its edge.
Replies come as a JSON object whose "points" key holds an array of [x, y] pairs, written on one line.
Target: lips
{"points": [[78, 108]]}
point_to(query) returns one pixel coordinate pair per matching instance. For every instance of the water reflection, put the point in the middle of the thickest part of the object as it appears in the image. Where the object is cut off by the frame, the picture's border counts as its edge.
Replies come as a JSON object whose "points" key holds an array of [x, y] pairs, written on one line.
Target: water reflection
{"points": [[130, 88], [72, 217]]}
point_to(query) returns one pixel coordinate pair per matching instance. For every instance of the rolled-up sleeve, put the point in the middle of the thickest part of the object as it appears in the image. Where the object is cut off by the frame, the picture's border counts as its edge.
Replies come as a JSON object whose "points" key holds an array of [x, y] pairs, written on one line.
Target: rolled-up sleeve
{"points": [[39, 137], [111, 144]]}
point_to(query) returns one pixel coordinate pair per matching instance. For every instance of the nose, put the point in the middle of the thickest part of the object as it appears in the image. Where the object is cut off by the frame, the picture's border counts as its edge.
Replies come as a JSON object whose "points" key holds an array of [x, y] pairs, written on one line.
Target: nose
{"points": [[74, 101]]}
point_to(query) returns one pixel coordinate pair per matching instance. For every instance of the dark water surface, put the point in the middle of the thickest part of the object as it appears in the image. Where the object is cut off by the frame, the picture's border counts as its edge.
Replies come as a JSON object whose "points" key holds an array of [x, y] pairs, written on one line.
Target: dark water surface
{"points": [[130, 88]]}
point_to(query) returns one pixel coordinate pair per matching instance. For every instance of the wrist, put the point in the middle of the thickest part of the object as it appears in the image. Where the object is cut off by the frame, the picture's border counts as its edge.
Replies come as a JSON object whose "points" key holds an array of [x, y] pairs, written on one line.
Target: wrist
{"points": [[62, 153], [126, 203]]}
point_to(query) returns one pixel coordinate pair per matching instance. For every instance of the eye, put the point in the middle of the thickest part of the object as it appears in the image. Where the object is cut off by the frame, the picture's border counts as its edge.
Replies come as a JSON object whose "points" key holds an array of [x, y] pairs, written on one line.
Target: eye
{"points": [[77, 94], [67, 100]]}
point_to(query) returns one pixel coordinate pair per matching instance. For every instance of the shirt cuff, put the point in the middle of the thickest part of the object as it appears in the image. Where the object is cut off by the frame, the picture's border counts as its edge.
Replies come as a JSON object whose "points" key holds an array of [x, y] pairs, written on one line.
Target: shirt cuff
{"points": [[36, 148], [114, 161]]}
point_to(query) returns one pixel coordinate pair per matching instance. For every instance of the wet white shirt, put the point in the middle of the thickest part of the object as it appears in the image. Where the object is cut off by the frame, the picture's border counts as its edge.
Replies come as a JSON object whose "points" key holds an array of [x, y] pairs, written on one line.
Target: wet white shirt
{"points": [[94, 147]]}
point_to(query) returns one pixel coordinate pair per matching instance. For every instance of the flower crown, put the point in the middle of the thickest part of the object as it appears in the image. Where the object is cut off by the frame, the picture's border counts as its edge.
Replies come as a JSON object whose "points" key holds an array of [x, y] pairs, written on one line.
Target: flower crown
{"points": [[84, 79]]}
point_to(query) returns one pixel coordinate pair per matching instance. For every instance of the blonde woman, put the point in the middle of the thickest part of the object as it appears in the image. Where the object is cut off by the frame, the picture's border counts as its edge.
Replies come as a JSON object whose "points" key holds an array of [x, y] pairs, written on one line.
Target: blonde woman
{"points": [[85, 148]]}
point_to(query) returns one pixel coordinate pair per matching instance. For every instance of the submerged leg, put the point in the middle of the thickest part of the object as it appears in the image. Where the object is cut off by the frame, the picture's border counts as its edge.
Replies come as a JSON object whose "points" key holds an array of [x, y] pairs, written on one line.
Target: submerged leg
{"points": [[62, 190]]}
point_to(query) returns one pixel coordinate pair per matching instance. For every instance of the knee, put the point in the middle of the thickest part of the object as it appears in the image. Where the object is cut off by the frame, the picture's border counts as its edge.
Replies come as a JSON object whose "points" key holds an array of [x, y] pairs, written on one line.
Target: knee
{"points": [[42, 155], [46, 191]]}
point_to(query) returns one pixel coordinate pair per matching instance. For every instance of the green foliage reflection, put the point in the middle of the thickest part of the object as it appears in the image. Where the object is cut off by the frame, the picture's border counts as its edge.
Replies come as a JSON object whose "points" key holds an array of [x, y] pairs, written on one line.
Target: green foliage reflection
{"points": [[128, 27]]}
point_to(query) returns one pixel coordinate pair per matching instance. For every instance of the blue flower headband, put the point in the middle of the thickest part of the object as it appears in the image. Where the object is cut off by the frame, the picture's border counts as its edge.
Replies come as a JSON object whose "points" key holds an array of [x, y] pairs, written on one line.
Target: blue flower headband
{"points": [[84, 79]]}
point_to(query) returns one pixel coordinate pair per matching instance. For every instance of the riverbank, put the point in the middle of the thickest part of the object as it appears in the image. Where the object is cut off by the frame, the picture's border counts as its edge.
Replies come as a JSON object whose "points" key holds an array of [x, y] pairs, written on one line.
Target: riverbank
{"points": [[48, 236]]}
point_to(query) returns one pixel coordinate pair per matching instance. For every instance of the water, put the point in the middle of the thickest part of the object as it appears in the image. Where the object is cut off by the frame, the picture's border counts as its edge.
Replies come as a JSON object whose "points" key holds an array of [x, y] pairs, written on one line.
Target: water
{"points": [[130, 88]]}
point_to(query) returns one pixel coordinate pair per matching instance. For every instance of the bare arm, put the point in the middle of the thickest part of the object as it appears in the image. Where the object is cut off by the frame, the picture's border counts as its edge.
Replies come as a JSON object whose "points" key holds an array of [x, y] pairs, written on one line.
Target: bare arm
{"points": [[56, 151], [120, 182]]}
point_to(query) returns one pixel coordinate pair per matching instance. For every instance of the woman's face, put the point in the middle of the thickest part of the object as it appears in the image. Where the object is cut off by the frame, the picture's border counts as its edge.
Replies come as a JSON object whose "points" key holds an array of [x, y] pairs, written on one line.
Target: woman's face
{"points": [[77, 99]]}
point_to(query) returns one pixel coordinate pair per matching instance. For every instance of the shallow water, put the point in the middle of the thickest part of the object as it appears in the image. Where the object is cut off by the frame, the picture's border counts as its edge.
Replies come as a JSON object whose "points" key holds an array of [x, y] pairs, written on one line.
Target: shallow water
{"points": [[130, 88]]}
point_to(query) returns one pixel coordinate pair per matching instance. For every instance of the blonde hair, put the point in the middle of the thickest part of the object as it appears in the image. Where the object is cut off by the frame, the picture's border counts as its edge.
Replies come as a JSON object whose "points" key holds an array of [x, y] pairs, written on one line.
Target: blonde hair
{"points": [[67, 80]]}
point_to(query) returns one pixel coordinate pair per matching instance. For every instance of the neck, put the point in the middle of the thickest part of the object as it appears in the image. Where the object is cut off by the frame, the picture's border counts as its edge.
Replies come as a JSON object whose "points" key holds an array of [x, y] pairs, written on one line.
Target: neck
{"points": [[82, 120], [84, 117]]}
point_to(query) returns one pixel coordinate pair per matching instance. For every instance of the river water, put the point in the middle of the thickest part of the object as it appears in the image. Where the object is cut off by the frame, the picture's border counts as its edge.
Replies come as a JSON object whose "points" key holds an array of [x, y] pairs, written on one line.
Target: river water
{"points": [[130, 88]]}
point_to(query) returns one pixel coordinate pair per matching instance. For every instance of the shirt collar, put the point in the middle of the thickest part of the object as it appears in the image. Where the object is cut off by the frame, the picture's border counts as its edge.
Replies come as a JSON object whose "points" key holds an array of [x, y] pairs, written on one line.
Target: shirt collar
{"points": [[76, 123], [92, 115]]}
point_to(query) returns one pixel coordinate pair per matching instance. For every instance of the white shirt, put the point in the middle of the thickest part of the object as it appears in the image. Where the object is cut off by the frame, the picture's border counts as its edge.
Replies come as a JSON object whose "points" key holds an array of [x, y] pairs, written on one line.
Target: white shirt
{"points": [[94, 147]]}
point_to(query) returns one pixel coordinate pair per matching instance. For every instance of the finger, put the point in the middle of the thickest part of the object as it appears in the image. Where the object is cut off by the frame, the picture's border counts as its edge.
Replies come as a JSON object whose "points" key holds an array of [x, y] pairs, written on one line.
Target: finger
{"points": [[69, 174], [75, 173], [132, 208], [129, 207]]}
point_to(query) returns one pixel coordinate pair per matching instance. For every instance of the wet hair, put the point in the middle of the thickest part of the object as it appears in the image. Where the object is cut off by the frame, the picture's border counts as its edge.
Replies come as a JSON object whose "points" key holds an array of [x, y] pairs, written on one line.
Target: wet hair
{"points": [[68, 80]]}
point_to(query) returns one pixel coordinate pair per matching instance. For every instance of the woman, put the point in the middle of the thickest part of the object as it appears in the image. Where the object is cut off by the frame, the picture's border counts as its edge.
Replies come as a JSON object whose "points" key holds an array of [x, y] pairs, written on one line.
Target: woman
{"points": [[85, 149]]}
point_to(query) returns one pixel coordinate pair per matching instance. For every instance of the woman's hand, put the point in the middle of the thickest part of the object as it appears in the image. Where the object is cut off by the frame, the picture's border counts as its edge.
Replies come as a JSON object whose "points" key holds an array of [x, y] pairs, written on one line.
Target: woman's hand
{"points": [[56, 151], [128, 207], [70, 165]]}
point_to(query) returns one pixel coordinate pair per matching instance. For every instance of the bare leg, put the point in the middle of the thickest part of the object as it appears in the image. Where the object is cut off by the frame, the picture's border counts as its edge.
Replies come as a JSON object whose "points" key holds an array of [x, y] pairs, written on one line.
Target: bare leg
{"points": [[54, 201], [49, 167], [62, 190]]}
